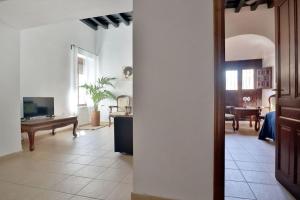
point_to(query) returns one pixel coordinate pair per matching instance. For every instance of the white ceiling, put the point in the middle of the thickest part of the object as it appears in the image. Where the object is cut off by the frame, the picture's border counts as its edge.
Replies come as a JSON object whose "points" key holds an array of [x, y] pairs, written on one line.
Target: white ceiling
{"points": [[23, 14]]}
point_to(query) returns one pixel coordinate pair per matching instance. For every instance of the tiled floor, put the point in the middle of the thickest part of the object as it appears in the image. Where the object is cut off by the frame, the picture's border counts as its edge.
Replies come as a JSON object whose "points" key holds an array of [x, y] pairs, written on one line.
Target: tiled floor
{"points": [[86, 168], [63, 168], [250, 167]]}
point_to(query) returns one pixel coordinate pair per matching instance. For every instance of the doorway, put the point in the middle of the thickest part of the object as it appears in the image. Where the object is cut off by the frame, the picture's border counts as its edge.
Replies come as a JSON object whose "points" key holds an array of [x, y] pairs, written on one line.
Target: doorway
{"points": [[285, 173]]}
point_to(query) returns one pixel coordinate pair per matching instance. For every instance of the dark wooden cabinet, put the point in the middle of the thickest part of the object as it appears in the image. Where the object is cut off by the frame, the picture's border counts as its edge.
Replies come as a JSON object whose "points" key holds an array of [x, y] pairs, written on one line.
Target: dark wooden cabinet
{"points": [[288, 99], [123, 127]]}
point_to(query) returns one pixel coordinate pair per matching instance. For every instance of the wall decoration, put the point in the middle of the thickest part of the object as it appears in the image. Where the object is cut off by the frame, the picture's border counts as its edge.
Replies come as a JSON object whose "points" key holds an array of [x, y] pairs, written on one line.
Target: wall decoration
{"points": [[128, 72], [264, 78]]}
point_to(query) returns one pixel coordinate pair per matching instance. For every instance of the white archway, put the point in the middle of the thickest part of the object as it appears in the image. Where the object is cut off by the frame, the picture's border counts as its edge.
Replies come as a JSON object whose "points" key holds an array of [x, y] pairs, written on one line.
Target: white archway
{"points": [[252, 46]]}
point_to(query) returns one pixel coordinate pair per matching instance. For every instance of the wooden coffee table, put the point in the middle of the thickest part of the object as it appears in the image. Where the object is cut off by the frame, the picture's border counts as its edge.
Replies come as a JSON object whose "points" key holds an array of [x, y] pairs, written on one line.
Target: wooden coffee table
{"points": [[32, 126], [248, 112]]}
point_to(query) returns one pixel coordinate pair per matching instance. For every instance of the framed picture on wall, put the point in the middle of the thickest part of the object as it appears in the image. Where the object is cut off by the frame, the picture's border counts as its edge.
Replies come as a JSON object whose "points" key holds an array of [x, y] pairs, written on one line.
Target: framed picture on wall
{"points": [[264, 78]]}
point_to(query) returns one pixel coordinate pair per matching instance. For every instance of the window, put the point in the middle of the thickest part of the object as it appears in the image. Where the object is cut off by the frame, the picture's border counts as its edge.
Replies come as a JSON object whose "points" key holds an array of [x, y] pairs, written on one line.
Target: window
{"points": [[82, 79], [231, 80], [248, 79]]}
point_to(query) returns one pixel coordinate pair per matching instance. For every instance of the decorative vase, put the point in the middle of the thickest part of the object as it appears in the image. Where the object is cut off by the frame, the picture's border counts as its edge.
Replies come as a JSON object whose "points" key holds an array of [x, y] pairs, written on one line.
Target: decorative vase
{"points": [[95, 118]]}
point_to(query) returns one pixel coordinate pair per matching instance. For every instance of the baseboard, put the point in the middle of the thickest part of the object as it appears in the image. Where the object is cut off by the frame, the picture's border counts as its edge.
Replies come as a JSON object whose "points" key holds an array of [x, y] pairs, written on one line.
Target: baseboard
{"points": [[6, 157], [135, 196]]}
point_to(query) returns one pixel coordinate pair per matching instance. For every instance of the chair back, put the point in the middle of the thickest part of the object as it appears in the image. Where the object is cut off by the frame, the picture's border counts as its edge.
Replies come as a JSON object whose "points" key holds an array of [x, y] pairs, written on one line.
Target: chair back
{"points": [[122, 102], [272, 102]]}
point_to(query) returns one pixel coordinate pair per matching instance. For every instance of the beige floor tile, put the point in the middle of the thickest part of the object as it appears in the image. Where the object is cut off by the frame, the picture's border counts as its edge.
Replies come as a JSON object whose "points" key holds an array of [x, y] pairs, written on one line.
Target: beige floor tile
{"points": [[53, 156], [270, 192], [128, 179], [233, 198], [122, 164], [84, 160], [90, 171], [233, 175], [43, 180], [49, 195], [112, 154], [230, 165], [98, 189], [111, 174], [15, 175], [81, 198], [103, 162], [72, 185], [259, 177], [59, 167], [17, 192], [121, 192], [70, 168], [247, 157], [255, 159], [252, 166], [98, 153], [238, 190]]}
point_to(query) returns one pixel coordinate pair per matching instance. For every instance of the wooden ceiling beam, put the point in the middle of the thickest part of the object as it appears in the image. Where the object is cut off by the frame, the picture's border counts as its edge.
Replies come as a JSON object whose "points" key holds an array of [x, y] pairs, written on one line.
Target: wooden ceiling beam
{"points": [[240, 5], [123, 19], [86, 21], [105, 26], [115, 24]]}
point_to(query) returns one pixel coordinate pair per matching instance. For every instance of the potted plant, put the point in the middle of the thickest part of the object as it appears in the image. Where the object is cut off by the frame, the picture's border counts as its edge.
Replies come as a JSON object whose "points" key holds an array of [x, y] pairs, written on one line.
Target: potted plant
{"points": [[98, 92]]}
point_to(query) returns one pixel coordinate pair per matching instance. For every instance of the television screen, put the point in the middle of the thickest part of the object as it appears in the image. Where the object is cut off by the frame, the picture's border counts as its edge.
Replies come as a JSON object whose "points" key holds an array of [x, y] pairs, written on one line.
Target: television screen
{"points": [[38, 106]]}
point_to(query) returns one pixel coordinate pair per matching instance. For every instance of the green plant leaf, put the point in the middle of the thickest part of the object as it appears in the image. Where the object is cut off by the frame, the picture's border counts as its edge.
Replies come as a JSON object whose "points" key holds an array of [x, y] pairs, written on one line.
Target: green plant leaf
{"points": [[99, 91]]}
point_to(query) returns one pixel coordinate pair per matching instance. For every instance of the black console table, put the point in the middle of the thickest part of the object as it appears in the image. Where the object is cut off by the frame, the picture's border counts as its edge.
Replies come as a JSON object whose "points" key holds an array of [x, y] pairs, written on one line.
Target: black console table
{"points": [[123, 126]]}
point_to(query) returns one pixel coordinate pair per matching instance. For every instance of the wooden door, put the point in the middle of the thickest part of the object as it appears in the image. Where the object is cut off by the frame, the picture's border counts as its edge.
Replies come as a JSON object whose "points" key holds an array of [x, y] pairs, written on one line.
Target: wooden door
{"points": [[287, 14]]}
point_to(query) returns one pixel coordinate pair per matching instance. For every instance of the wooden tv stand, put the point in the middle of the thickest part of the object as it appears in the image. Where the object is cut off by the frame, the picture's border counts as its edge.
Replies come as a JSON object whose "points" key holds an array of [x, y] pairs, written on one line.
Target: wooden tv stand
{"points": [[34, 125]]}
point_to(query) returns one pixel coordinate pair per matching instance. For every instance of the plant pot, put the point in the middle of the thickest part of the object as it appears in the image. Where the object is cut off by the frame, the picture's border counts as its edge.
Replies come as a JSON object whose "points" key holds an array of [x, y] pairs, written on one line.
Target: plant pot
{"points": [[95, 118]]}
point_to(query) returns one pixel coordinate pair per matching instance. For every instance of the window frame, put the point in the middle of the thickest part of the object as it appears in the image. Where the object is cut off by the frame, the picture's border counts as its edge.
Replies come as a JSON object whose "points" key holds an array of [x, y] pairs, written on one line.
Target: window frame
{"points": [[254, 78], [240, 65], [237, 79]]}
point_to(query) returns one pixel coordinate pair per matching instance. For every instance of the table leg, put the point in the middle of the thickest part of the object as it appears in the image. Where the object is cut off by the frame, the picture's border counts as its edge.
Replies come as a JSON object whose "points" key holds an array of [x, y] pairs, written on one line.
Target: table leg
{"points": [[257, 123], [250, 121], [53, 131], [233, 124], [74, 128], [237, 124], [31, 136]]}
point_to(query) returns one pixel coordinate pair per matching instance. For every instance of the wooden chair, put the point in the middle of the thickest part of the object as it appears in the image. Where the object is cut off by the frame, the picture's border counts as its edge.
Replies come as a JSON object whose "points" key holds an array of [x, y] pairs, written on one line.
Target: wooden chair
{"points": [[270, 108], [229, 116], [272, 103], [122, 108]]}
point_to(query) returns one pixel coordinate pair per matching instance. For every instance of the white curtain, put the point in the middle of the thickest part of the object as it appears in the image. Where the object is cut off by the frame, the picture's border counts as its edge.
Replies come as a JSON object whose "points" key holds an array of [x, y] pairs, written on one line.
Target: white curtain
{"points": [[73, 98], [91, 62]]}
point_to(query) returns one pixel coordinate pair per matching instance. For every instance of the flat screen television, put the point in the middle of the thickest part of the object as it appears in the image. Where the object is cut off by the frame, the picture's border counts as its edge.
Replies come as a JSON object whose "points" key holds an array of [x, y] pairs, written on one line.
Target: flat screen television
{"points": [[38, 106]]}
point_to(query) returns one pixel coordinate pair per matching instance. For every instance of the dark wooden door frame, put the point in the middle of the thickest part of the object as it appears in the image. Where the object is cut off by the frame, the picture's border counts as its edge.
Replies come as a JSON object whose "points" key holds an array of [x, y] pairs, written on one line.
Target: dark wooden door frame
{"points": [[219, 93]]}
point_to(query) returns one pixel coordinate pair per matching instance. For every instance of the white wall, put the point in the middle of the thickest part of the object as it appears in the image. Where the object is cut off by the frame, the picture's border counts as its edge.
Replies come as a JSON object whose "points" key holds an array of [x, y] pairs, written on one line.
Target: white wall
{"points": [[260, 22], [10, 137], [173, 98], [45, 61], [114, 47]]}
